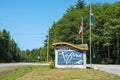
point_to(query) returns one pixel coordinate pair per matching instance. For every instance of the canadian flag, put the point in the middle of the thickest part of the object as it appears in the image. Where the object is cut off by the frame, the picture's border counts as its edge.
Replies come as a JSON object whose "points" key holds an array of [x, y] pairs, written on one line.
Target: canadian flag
{"points": [[81, 30]]}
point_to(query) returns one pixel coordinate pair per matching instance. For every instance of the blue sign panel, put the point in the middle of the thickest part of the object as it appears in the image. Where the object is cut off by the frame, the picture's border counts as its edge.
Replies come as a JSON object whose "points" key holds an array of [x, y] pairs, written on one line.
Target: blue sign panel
{"points": [[70, 57]]}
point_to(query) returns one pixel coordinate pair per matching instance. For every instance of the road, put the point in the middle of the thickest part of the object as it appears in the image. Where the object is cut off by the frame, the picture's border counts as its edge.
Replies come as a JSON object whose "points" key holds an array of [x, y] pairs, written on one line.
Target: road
{"points": [[114, 69], [24, 64]]}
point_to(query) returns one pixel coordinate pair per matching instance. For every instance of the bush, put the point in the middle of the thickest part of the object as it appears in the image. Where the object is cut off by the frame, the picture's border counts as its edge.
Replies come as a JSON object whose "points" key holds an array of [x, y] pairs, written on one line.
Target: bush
{"points": [[52, 64], [109, 60]]}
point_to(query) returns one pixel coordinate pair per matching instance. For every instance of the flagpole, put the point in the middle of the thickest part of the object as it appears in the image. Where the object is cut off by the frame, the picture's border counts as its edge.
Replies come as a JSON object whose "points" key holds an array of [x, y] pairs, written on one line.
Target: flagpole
{"points": [[90, 40], [82, 30]]}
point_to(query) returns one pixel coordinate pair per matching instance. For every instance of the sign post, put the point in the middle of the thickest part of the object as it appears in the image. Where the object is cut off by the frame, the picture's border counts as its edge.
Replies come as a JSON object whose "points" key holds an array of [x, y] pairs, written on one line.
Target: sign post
{"points": [[94, 56], [38, 57]]}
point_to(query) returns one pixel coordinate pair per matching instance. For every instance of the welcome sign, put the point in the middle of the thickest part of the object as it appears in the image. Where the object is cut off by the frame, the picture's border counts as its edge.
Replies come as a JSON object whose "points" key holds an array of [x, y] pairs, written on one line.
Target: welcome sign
{"points": [[70, 57]]}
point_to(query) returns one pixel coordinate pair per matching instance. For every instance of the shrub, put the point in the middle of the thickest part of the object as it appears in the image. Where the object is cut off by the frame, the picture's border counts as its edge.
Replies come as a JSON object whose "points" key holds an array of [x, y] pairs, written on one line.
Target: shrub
{"points": [[109, 60], [52, 64]]}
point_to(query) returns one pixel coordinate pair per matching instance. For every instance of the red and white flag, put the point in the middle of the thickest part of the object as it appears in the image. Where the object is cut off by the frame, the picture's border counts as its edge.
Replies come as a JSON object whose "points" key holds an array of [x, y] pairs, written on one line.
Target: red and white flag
{"points": [[81, 30]]}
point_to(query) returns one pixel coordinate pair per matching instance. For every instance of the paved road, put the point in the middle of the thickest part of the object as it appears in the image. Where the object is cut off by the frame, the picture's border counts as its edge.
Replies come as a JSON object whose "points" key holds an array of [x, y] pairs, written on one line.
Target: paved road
{"points": [[114, 69], [25, 64]]}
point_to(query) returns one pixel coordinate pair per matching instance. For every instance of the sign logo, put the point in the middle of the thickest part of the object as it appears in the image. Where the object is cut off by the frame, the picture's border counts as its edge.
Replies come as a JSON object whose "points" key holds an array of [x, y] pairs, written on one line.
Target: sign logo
{"points": [[70, 57]]}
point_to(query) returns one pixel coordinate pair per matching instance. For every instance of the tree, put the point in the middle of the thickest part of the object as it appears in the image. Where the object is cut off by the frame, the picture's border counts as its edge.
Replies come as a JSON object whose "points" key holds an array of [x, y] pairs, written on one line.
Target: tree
{"points": [[80, 4], [105, 33], [9, 51], [4, 48], [14, 51]]}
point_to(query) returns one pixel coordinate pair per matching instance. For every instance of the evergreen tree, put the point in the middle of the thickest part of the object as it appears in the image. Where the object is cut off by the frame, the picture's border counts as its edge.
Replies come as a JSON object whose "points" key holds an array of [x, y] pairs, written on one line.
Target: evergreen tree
{"points": [[80, 4], [105, 32]]}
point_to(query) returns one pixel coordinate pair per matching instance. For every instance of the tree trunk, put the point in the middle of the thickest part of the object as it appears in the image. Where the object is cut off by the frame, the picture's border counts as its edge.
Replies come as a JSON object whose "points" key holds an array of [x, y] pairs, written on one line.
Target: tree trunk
{"points": [[118, 52], [108, 52]]}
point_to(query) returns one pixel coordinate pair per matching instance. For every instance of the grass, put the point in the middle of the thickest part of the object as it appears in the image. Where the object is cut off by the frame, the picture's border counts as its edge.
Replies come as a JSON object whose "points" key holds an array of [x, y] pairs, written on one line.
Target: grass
{"points": [[45, 73], [12, 73]]}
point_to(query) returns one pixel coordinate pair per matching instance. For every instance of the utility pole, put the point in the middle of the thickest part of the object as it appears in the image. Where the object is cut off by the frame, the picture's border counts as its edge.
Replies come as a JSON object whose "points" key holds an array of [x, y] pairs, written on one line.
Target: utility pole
{"points": [[48, 45], [82, 30]]}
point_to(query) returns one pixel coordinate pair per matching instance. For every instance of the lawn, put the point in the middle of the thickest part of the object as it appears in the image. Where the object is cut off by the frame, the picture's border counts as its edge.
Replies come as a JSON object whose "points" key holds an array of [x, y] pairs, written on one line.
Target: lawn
{"points": [[14, 72], [45, 73]]}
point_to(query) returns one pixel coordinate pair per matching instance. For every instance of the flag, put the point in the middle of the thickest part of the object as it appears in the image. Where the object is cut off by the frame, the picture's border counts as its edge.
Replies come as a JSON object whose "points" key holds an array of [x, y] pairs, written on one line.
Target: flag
{"points": [[81, 30], [91, 18]]}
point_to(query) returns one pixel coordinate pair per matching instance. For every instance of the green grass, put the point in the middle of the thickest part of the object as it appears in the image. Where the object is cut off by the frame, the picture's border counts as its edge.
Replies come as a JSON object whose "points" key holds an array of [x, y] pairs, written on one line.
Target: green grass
{"points": [[45, 73], [12, 73]]}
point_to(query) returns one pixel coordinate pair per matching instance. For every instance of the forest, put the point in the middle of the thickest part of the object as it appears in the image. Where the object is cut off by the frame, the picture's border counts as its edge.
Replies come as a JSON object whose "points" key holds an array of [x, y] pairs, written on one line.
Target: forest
{"points": [[105, 35], [9, 51]]}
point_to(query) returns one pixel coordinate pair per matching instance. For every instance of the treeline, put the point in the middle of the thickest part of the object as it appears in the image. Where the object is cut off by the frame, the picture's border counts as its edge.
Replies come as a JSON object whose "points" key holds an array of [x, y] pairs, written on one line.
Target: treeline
{"points": [[34, 55], [9, 51], [105, 31]]}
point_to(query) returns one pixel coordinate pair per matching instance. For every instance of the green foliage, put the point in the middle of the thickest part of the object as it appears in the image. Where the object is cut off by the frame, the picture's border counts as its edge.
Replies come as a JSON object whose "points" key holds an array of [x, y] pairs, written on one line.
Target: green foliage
{"points": [[107, 61], [105, 32], [32, 55], [80, 4], [52, 65], [9, 51]]}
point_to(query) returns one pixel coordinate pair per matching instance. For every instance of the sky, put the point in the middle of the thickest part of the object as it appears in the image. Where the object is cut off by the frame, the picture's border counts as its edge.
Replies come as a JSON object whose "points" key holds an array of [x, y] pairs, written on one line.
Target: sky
{"points": [[28, 21]]}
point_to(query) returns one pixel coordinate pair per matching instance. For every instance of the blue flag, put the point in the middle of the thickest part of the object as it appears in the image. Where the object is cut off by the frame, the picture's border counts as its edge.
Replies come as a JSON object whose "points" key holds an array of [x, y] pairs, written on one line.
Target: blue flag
{"points": [[91, 18]]}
